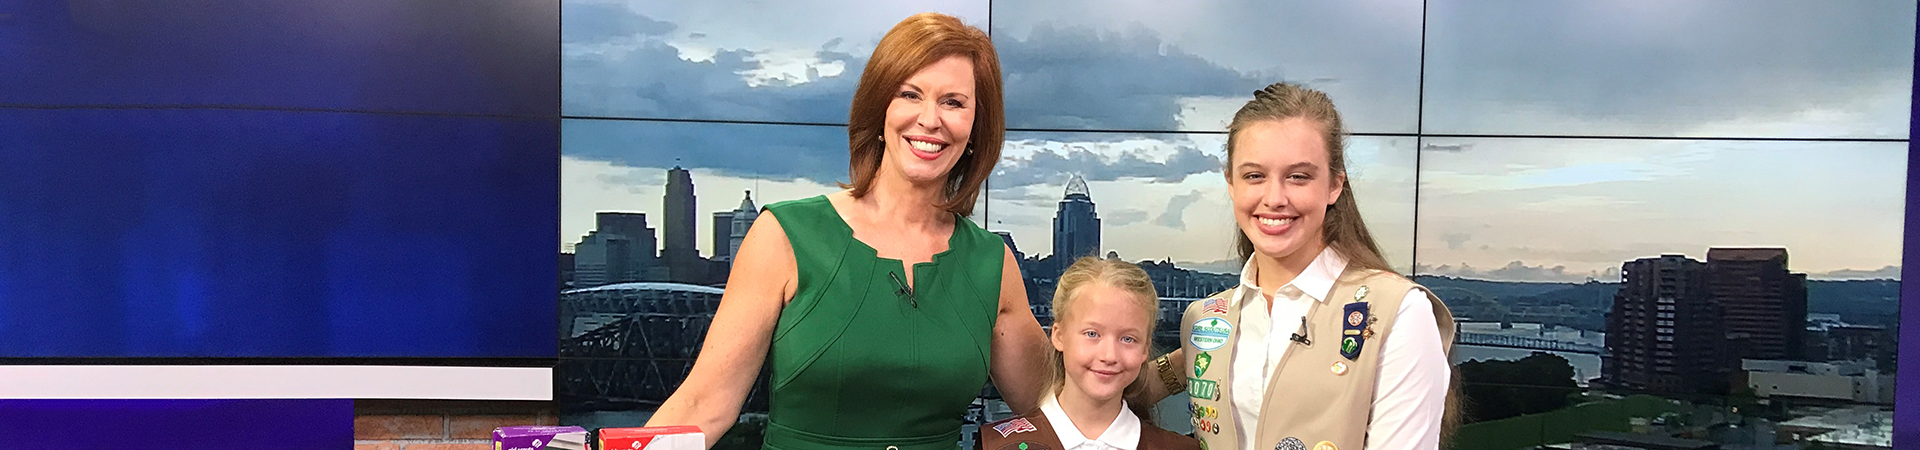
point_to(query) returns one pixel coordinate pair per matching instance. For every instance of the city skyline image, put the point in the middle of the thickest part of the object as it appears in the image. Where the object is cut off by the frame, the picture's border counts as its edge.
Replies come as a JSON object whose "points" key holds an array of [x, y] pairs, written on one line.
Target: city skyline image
{"points": [[1653, 222]]}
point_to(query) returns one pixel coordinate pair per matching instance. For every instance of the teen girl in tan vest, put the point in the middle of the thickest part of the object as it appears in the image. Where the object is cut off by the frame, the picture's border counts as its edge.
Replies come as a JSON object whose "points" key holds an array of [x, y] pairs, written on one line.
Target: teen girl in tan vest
{"points": [[1322, 346]]}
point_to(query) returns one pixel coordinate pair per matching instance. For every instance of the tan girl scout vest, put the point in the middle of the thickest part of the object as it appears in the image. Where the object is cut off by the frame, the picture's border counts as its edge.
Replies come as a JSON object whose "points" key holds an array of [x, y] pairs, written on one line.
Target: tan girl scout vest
{"points": [[1320, 397]]}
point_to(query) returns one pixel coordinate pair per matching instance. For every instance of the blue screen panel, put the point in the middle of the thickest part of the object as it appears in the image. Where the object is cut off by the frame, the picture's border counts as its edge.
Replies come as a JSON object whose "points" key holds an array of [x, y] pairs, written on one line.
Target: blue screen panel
{"points": [[497, 57], [243, 233], [100, 424]]}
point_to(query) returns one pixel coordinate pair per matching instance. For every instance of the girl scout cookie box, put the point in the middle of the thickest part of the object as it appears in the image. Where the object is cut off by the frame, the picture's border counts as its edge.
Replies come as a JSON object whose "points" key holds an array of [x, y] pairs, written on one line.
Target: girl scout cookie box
{"points": [[653, 438], [539, 438]]}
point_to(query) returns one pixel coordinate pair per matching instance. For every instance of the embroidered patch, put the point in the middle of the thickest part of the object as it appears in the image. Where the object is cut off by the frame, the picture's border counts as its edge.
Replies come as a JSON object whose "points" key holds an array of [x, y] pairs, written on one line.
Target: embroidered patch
{"points": [[1210, 333], [1201, 362], [1353, 329], [1020, 425], [1214, 306], [1203, 389], [1290, 443]]}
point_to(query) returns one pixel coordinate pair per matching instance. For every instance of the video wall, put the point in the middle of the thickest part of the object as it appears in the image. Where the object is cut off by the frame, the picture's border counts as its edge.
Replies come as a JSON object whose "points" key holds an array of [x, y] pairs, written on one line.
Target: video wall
{"points": [[1529, 161], [362, 179]]}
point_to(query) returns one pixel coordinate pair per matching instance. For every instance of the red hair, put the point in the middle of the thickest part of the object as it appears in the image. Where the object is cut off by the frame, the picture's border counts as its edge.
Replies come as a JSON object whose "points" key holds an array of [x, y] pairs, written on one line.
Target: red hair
{"points": [[915, 43]]}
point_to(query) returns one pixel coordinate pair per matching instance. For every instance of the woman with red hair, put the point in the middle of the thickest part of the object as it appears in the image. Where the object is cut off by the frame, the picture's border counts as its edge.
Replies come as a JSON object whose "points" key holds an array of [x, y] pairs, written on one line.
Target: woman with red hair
{"points": [[881, 310]]}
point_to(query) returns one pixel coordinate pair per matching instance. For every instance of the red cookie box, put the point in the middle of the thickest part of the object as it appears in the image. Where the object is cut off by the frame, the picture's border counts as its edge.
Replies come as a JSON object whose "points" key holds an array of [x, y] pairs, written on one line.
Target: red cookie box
{"points": [[685, 437]]}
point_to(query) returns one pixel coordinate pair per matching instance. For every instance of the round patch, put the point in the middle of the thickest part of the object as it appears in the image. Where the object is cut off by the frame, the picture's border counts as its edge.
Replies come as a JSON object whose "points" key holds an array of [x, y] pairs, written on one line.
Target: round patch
{"points": [[1290, 443], [1355, 318], [1339, 368], [1210, 334], [1324, 445]]}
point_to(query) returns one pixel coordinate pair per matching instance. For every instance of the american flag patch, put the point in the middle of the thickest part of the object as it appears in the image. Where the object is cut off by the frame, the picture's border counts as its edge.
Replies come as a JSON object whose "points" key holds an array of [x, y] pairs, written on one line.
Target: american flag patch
{"points": [[1020, 425], [1215, 306]]}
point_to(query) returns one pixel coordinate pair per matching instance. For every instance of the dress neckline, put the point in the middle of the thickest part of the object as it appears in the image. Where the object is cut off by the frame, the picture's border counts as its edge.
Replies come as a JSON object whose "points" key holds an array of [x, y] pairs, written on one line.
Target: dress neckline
{"points": [[953, 237]]}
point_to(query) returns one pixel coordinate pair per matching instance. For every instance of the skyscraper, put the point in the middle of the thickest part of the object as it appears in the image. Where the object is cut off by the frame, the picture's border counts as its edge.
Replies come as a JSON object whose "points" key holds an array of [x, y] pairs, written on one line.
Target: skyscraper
{"points": [[618, 250], [625, 224], [1076, 226], [742, 220], [1664, 330], [1766, 306], [1007, 237], [722, 231], [682, 258]]}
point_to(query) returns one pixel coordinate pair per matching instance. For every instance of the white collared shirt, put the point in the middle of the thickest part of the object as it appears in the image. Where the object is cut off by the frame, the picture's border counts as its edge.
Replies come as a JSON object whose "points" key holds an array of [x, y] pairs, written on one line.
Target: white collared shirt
{"points": [[1122, 434], [1410, 393]]}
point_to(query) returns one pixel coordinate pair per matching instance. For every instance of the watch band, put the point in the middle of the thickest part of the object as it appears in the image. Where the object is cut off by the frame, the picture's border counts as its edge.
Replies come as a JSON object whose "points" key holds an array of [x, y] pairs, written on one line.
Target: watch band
{"points": [[1170, 377]]}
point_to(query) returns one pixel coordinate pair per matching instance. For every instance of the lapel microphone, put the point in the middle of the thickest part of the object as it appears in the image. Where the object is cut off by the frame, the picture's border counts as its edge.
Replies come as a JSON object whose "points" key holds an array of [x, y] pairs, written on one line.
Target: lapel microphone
{"points": [[902, 289], [1301, 337]]}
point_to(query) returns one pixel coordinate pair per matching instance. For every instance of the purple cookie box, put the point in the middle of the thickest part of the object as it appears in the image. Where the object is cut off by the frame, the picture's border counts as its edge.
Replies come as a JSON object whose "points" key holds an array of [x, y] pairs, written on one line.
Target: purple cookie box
{"points": [[524, 437]]}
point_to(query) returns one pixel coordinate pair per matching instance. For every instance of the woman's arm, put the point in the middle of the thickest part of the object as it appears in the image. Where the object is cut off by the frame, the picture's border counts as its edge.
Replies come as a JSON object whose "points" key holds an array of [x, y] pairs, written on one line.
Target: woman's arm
{"points": [[1410, 392], [1020, 349], [764, 276], [1150, 388]]}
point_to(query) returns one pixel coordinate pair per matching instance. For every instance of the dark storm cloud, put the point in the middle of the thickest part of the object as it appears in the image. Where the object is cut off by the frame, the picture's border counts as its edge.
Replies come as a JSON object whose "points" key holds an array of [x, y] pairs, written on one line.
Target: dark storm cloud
{"points": [[773, 152], [1046, 167], [1660, 67], [586, 22], [1077, 78], [1071, 78]]}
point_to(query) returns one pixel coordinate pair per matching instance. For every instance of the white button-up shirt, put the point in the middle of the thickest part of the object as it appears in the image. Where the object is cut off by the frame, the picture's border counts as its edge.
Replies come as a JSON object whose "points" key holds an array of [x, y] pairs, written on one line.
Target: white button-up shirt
{"points": [[1410, 393], [1122, 434]]}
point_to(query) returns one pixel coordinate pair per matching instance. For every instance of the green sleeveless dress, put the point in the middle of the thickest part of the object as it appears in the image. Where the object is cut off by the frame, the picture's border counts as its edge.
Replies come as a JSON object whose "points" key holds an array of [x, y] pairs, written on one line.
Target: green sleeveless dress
{"points": [[855, 363]]}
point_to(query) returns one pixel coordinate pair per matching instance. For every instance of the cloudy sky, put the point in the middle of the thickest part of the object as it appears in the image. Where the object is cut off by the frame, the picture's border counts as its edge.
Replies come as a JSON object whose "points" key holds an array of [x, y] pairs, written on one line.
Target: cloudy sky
{"points": [[1734, 68], [1564, 210], [1167, 76]]}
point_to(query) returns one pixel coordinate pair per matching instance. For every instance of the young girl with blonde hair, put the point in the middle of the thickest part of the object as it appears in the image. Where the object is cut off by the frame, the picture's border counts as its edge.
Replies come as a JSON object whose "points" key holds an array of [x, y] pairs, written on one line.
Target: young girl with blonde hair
{"points": [[1105, 314]]}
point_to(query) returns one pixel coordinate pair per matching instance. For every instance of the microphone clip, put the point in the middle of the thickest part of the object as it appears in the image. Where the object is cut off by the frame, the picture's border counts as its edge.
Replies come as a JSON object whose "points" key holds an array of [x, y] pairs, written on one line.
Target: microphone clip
{"points": [[1301, 337], [902, 289]]}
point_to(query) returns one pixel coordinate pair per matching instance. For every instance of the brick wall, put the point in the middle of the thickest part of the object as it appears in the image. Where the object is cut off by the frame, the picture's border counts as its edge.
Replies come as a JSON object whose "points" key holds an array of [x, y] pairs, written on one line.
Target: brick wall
{"points": [[440, 424]]}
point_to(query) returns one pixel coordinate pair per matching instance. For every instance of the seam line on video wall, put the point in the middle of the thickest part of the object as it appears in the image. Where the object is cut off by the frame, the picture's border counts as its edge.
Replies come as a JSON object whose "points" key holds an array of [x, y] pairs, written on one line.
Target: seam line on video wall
{"points": [[1419, 125]]}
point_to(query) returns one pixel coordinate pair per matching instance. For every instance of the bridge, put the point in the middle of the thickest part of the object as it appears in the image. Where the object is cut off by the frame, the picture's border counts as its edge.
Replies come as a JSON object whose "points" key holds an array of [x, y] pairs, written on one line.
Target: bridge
{"points": [[633, 344], [1167, 334], [1521, 342]]}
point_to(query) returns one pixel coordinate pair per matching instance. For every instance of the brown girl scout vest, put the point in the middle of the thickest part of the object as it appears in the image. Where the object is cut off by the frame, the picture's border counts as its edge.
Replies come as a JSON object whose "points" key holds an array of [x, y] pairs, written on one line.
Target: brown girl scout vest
{"points": [[1320, 397], [1033, 432]]}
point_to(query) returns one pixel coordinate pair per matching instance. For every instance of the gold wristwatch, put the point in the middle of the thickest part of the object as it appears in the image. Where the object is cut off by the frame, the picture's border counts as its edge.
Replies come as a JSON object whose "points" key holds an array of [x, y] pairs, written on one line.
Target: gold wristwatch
{"points": [[1169, 377]]}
